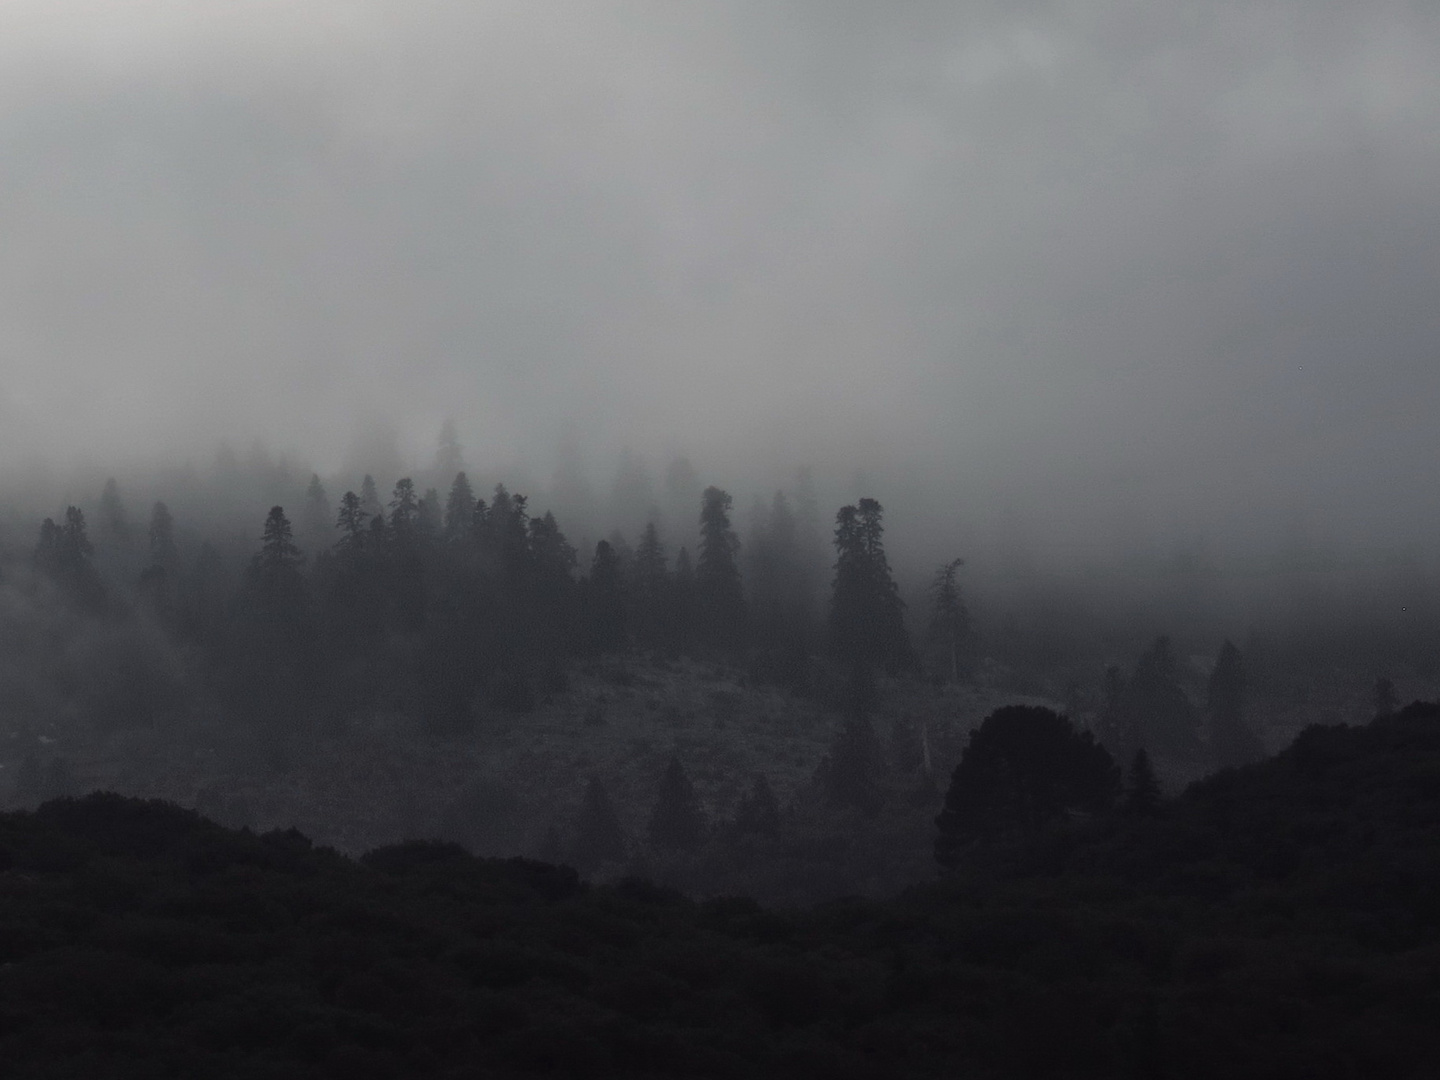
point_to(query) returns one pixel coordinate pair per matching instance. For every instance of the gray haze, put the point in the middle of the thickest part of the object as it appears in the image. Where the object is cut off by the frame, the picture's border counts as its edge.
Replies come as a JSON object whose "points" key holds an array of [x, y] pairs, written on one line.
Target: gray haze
{"points": [[1107, 273]]}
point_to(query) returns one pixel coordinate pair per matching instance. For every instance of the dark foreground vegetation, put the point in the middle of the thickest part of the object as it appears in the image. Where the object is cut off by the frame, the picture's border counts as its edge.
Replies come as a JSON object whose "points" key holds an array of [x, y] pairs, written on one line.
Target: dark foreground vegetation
{"points": [[1278, 920]]}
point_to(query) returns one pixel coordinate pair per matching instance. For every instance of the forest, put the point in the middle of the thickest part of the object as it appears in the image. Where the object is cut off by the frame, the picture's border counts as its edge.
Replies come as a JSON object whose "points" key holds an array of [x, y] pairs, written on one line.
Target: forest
{"points": [[409, 784]]}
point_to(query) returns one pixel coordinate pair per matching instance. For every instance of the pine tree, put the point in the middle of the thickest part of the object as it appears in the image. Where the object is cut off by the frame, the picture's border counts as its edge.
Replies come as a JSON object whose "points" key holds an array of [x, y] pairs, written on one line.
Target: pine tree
{"points": [[162, 539], [1155, 707], [677, 821], [719, 596], [404, 510], [114, 521], [605, 600], [948, 618], [1231, 740], [449, 456], [649, 586], [459, 511], [867, 616], [351, 521], [369, 497]]}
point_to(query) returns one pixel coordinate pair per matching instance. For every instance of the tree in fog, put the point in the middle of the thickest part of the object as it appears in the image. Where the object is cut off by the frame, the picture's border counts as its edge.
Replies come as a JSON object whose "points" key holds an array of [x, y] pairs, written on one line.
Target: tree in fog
{"points": [[459, 511], [370, 497], [274, 664], [867, 616], [158, 580], [114, 521], [605, 600], [449, 455], [1021, 769], [1232, 742], [404, 510], [317, 509], [677, 821], [719, 596], [63, 552], [1155, 711], [351, 522], [949, 621], [650, 587]]}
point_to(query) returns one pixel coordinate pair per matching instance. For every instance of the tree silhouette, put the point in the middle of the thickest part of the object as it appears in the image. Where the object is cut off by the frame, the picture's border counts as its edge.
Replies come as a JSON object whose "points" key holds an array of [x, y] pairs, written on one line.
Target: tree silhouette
{"points": [[1025, 766], [605, 600], [650, 586], [1155, 710], [351, 522], [867, 616], [949, 620], [459, 511], [718, 594], [1231, 740]]}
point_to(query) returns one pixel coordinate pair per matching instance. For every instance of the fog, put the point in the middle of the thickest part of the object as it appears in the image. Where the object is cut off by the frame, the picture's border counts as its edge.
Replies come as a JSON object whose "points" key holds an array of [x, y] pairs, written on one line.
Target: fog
{"points": [[1060, 283]]}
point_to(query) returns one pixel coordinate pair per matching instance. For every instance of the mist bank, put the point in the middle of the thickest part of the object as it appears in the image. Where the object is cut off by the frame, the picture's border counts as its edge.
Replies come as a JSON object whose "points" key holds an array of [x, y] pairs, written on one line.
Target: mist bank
{"points": [[1090, 572]]}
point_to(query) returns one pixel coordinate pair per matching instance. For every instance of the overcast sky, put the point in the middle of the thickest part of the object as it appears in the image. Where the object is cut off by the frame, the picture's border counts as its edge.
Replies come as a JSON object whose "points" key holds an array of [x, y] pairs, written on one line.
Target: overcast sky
{"points": [[1160, 264]]}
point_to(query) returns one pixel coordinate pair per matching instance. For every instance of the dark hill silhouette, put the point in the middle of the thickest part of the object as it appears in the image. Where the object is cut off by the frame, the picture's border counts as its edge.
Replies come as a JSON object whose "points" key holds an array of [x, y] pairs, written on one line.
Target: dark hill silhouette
{"points": [[1281, 919]]}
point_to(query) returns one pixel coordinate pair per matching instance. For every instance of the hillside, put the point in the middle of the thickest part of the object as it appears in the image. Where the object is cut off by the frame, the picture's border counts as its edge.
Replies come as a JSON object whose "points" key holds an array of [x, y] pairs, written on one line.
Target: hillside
{"points": [[1275, 921]]}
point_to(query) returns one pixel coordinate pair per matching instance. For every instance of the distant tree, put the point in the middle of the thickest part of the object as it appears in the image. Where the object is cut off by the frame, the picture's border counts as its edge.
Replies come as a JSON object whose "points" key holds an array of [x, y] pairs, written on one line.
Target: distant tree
{"points": [[718, 594], [605, 600], [1142, 789], [449, 456], [601, 838], [1024, 767], [759, 811], [867, 616], [949, 620], [650, 586], [317, 515], [1384, 698], [351, 522], [63, 553], [1232, 742], [459, 511], [1155, 710], [278, 556], [114, 521], [404, 510], [677, 821], [369, 497], [163, 552]]}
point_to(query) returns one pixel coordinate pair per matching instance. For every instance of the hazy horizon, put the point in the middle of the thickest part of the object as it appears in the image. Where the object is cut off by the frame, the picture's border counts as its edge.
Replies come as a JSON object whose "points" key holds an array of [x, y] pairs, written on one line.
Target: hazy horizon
{"points": [[1084, 278]]}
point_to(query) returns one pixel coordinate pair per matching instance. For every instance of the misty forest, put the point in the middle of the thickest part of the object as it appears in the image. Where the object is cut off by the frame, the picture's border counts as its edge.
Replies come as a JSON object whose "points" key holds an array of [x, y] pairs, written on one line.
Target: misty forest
{"points": [[730, 540]]}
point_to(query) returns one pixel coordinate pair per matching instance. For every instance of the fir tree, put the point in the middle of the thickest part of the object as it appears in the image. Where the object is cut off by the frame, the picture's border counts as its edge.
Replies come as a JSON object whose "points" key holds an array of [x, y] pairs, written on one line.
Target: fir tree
{"points": [[162, 538], [459, 510], [948, 618], [369, 497], [1231, 740], [351, 522], [719, 597], [867, 616]]}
